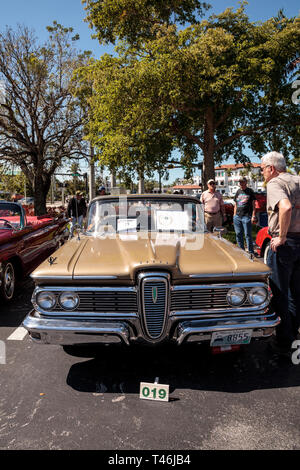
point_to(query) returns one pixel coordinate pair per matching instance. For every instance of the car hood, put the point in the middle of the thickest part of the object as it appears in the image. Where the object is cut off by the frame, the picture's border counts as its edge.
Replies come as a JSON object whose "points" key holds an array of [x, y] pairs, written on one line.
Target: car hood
{"points": [[107, 258]]}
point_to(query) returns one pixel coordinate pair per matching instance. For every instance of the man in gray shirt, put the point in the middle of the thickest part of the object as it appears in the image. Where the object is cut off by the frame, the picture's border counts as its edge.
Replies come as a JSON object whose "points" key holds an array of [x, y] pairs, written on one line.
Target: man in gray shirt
{"points": [[283, 206]]}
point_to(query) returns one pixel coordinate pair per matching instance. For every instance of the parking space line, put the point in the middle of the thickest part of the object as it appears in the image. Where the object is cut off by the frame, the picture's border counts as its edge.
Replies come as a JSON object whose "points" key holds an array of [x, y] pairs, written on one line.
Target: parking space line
{"points": [[18, 335]]}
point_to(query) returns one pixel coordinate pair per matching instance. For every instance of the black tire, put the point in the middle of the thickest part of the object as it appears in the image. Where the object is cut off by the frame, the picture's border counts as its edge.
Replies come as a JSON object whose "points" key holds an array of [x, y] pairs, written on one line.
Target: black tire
{"points": [[8, 281], [266, 251]]}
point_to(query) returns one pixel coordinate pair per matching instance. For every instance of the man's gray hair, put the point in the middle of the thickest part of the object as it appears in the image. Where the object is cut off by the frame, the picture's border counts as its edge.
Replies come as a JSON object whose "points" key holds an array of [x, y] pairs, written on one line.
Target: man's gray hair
{"points": [[275, 159]]}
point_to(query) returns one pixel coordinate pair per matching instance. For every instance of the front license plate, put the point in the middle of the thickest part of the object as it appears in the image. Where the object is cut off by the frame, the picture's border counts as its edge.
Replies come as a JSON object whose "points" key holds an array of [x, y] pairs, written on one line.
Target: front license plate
{"points": [[224, 338]]}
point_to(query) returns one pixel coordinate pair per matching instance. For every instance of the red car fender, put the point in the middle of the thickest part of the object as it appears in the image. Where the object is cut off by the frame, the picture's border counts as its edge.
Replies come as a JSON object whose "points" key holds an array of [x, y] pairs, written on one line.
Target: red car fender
{"points": [[261, 237]]}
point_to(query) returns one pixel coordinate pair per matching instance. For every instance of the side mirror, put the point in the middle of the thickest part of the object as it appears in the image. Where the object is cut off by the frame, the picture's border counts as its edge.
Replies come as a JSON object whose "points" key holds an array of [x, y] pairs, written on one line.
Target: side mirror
{"points": [[220, 231]]}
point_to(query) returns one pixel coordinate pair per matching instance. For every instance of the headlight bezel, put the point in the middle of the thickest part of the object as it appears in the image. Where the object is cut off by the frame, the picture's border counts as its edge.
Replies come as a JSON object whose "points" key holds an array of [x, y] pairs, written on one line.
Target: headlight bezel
{"points": [[50, 294], [251, 294], [230, 292], [68, 293]]}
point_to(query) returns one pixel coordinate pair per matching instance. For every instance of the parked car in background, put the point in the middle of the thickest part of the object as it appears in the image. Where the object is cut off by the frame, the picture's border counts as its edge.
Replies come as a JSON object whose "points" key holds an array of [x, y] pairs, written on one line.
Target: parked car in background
{"points": [[263, 240], [16, 197], [229, 209], [146, 271], [261, 209], [26, 201], [261, 201], [24, 243]]}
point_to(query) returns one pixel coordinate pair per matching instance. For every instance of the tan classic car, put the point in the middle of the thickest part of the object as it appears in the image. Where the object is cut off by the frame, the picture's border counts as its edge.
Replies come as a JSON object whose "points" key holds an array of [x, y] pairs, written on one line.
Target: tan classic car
{"points": [[146, 270]]}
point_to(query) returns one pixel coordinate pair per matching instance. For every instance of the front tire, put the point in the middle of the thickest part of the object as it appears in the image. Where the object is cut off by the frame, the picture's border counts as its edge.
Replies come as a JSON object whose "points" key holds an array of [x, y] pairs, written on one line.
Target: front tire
{"points": [[8, 281], [266, 252]]}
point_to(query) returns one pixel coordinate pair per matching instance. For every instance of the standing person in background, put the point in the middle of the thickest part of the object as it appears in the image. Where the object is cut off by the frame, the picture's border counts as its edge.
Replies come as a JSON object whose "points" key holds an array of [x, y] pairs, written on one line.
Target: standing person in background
{"points": [[102, 191], [76, 211], [244, 215], [213, 205], [82, 205], [283, 206]]}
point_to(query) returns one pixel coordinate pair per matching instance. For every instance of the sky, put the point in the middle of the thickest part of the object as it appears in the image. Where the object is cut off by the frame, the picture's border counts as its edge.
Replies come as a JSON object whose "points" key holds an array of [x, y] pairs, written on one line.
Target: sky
{"points": [[37, 14]]}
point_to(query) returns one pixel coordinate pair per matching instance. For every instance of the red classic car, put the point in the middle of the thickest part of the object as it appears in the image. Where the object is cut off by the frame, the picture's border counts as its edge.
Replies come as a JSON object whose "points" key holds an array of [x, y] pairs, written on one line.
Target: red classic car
{"points": [[24, 243], [262, 241], [260, 203]]}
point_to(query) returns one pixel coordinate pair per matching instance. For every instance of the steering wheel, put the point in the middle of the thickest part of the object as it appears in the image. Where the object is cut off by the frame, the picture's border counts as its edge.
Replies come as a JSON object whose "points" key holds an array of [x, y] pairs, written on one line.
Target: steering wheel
{"points": [[7, 223]]}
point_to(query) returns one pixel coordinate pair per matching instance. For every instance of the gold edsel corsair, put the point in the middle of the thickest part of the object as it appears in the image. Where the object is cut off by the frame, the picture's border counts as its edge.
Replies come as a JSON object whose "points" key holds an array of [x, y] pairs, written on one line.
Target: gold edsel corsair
{"points": [[146, 270]]}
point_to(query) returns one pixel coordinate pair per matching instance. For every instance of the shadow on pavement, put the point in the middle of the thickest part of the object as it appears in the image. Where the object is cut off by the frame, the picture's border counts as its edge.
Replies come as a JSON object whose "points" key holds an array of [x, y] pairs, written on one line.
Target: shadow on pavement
{"points": [[12, 313], [120, 370]]}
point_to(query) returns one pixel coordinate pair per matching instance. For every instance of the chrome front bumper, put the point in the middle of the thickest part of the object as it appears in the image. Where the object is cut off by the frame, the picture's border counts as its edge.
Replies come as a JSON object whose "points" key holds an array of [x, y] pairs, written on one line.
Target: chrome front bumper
{"points": [[69, 332]]}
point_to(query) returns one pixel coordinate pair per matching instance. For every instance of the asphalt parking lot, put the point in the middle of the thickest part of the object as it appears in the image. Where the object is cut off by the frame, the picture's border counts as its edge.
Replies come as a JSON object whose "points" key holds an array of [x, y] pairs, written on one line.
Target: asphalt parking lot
{"points": [[51, 400]]}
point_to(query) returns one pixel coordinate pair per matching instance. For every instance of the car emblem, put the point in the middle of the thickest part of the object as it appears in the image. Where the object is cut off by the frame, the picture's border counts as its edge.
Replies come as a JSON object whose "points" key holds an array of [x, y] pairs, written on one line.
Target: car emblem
{"points": [[154, 294]]}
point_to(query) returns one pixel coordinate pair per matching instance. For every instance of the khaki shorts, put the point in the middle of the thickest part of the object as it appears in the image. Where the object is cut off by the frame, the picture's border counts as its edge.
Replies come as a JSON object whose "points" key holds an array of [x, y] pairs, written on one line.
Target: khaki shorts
{"points": [[213, 220]]}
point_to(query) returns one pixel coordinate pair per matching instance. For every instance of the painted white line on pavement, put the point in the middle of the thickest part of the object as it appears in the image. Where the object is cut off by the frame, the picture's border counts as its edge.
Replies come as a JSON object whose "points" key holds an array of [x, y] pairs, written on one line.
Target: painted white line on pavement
{"points": [[18, 334]]}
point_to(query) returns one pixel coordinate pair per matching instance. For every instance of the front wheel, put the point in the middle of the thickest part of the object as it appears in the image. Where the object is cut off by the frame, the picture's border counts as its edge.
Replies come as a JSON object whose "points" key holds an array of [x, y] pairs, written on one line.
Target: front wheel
{"points": [[266, 252], [8, 281]]}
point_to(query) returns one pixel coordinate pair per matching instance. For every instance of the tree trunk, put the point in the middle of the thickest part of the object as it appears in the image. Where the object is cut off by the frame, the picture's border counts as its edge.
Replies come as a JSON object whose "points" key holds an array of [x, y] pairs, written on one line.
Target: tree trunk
{"points": [[208, 170], [40, 191]]}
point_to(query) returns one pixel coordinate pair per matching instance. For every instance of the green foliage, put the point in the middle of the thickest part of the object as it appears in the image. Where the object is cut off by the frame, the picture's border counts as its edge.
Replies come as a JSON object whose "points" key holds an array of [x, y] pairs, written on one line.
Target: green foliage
{"points": [[211, 88], [11, 183], [135, 20]]}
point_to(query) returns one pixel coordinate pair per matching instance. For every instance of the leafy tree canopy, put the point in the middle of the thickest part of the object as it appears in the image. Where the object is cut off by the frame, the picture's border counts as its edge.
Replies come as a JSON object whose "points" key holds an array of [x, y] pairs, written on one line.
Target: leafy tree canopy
{"points": [[211, 88], [133, 20]]}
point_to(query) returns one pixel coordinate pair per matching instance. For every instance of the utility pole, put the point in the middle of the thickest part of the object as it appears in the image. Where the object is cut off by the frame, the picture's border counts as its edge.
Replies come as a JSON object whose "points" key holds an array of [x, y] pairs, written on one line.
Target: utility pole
{"points": [[112, 180], [141, 188], [92, 189]]}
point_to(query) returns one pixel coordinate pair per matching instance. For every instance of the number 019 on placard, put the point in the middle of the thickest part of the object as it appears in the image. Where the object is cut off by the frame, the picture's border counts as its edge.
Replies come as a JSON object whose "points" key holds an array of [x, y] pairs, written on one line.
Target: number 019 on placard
{"points": [[157, 392]]}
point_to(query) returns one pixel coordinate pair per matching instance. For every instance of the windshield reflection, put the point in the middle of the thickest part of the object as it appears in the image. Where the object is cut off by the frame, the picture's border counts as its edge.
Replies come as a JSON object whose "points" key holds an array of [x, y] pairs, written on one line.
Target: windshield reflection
{"points": [[145, 214]]}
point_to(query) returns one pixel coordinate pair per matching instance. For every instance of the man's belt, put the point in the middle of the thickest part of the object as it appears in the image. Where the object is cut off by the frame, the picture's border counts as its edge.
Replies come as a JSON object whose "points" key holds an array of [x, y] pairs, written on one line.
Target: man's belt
{"points": [[288, 235], [211, 213]]}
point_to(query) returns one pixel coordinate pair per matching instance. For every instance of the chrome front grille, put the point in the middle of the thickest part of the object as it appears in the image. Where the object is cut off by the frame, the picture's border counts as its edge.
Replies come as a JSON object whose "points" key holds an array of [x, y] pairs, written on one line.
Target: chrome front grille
{"points": [[201, 299], [154, 296], [108, 301]]}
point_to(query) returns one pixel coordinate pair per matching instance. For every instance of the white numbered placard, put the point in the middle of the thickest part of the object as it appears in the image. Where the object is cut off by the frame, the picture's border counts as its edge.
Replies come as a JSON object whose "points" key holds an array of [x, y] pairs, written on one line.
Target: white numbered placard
{"points": [[154, 391]]}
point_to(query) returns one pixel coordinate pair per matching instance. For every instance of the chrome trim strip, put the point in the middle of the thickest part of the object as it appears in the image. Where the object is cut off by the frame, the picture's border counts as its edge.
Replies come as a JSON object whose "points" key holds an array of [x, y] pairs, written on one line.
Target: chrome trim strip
{"points": [[218, 286], [230, 274], [221, 312], [47, 278], [86, 278]]}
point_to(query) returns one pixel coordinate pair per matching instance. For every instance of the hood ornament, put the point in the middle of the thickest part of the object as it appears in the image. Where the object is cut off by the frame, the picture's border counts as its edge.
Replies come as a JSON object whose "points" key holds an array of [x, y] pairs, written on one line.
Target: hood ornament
{"points": [[51, 260], [154, 294]]}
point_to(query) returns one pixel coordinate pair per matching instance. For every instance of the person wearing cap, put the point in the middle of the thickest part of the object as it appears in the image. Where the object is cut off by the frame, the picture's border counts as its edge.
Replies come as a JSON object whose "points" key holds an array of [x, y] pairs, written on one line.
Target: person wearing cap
{"points": [[76, 211], [102, 191], [244, 215], [213, 205]]}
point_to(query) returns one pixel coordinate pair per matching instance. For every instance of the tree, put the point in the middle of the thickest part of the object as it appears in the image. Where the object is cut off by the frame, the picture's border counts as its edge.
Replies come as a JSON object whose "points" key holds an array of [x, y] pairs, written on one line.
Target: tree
{"points": [[211, 88], [40, 120], [136, 20], [10, 182]]}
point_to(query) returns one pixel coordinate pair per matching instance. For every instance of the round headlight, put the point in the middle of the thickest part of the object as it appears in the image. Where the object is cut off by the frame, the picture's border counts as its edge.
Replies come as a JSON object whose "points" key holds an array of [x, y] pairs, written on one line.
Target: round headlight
{"points": [[46, 300], [257, 295], [236, 296], [69, 300]]}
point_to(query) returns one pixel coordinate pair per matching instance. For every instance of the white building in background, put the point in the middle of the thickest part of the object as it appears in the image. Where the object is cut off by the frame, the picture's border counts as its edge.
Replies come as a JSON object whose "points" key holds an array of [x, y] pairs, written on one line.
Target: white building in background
{"points": [[227, 178]]}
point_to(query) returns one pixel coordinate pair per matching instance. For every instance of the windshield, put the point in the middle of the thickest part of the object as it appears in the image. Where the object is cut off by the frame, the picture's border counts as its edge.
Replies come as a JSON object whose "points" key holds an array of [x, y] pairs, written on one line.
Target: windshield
{"points": [[10, 216], [145, 214]]}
